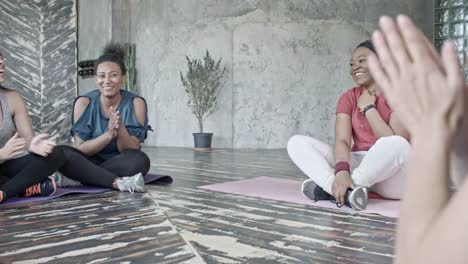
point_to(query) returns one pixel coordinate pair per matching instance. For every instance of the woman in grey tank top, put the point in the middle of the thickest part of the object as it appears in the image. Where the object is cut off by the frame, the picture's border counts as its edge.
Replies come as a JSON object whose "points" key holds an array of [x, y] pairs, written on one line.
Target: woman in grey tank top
{"points": [[23, 173]]}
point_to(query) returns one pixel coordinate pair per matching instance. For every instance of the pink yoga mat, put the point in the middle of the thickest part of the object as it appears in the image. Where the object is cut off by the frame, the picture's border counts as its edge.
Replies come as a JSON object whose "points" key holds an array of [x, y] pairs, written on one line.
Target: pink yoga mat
{"points": [[290, 191], [149, 179]]}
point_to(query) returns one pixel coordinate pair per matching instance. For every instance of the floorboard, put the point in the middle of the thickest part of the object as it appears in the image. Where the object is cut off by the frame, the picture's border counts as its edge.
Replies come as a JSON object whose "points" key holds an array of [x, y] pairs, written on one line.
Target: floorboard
{"points": [[180, 223]]}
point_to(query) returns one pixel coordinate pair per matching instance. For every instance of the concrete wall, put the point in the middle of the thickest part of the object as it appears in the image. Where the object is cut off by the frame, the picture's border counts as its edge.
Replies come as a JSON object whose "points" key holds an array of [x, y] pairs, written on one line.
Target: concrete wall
{"points": [[287, 61], [94, 31]]}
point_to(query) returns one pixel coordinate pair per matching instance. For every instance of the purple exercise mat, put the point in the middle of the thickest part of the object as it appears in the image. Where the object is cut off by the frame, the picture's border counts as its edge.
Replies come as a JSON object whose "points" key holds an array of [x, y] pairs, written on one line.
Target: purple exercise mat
{"points": [[290, 191], [149, 178], [156, 178]]}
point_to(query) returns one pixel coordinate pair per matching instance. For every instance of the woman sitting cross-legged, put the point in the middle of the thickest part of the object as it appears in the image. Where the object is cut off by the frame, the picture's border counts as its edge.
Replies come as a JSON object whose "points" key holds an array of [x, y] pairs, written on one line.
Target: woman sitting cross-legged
{"points": [[109, 124], [375, 160]]}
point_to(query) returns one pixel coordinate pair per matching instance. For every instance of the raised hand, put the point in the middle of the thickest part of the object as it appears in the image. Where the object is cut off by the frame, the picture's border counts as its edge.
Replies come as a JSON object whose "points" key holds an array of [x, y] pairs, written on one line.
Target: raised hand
{"points": [[13, 147], [425, 89], [41, 145]]}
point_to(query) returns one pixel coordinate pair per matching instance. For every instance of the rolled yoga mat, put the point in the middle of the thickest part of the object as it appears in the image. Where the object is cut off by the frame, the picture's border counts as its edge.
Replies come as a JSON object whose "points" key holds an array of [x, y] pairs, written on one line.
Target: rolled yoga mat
{"points": [[149, 179]]}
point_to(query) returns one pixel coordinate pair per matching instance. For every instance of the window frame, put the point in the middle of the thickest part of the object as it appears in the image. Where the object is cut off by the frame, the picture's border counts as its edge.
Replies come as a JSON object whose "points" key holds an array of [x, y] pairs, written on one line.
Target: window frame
{"points": [[451, 22]]}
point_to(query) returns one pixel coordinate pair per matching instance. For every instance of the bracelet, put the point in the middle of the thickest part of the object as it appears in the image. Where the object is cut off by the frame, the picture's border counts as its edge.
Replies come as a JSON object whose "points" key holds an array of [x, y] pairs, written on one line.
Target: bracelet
{"points": [[366, 108], [341, 166]]}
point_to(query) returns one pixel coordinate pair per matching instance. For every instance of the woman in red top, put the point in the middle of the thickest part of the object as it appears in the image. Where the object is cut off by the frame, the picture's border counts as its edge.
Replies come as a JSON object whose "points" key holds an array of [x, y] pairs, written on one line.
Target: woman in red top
{"points": [[370, 148]]}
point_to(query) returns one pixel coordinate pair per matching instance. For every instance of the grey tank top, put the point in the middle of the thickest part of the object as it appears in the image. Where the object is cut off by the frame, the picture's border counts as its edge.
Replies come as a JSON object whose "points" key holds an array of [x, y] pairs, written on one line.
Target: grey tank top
{"points": [[7, 129]]}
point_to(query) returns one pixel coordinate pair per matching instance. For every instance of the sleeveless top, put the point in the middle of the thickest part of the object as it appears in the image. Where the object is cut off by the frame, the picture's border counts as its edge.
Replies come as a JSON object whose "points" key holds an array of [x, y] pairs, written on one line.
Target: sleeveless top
{"points": [[92, 123], [8, 128]]}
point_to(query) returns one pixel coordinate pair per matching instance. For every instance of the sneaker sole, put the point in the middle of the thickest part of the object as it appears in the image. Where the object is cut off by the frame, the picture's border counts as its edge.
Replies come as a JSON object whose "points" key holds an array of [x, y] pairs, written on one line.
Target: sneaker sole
{"points": [[358, 198]]}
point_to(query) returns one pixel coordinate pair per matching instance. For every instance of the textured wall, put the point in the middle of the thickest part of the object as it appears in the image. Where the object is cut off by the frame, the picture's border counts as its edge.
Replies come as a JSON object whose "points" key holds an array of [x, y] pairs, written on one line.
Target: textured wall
{"points": [[94, 31], [287, 61], [277, 94], [38, 38]]}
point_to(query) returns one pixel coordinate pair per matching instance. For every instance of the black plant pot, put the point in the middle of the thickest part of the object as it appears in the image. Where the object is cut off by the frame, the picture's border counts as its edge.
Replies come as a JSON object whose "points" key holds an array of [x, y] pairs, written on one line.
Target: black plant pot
{"points": [[202, 141]]}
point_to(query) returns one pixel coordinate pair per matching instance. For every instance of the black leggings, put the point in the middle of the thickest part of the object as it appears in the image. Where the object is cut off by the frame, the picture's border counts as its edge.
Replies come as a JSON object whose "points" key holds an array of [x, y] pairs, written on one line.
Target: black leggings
{"points": [[127, 163], [93, 171], [16, 175]]}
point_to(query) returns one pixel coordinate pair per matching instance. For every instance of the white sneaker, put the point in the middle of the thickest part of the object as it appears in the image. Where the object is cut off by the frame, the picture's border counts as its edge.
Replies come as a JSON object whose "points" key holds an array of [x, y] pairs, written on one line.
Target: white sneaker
{"points": [[132, 184], [357, 198]]}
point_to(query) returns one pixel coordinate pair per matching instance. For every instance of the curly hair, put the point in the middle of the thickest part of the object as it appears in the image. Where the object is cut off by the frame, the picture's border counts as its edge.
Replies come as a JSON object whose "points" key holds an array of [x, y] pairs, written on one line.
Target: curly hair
{"points": [[112, 52]]}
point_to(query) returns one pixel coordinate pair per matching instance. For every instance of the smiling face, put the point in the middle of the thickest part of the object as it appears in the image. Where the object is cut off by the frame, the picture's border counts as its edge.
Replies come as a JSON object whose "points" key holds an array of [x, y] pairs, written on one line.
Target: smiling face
{"points": [[359, 68], [109, 78], [2, 69]]}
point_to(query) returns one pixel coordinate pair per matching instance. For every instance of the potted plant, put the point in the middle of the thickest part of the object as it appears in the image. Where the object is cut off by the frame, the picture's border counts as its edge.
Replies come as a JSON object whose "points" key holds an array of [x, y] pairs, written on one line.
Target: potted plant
{"points": [[202, 82]]}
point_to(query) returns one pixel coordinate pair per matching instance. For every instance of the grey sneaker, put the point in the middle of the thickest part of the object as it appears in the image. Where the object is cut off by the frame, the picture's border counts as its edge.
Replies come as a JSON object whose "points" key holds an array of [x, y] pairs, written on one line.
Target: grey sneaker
{"points": [[132, 184], [357, 198], [315, 192]]}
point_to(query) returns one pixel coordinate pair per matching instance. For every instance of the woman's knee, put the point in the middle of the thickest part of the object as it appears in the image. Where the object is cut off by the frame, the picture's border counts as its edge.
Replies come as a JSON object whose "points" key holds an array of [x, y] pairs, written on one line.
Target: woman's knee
{"points": [[296, 142], [65, 147], [139, 161], [396, 145], [67, 151], [395, 140], [299, 143], [56, 156]]}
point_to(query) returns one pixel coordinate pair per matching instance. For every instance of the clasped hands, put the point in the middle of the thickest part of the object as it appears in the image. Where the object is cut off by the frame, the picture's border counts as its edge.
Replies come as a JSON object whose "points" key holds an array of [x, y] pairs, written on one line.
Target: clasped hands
{"points": [[114, 123]]}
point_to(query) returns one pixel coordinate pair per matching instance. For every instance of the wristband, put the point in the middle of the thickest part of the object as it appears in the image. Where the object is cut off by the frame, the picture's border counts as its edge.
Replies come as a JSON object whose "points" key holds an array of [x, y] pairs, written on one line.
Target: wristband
{"points": [[366, 108], [341, 166]]}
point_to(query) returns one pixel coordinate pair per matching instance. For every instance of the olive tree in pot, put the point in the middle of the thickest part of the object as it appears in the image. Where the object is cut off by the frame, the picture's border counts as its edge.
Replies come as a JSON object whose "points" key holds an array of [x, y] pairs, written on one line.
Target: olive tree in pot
{"points": [[202, 82]]}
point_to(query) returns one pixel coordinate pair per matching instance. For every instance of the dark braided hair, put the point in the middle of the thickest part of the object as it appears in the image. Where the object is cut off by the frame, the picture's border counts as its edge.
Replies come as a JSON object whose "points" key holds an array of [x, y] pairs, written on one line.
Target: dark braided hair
{"points": [[367, 44], [112, 53]]}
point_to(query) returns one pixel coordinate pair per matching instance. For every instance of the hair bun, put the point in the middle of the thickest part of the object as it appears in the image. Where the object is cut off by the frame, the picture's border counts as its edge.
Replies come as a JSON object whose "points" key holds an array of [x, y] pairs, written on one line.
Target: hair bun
{"points": [[114, 49]]}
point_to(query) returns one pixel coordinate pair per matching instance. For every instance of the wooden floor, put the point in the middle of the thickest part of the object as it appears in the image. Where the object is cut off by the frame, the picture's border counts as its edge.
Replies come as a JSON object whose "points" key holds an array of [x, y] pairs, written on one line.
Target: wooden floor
{"points": [[183, 224]]}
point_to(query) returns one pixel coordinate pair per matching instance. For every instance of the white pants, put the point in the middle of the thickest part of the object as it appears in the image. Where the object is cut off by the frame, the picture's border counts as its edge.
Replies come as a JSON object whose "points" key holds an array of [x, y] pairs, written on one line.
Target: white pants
{"points": [[381, 168]]}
